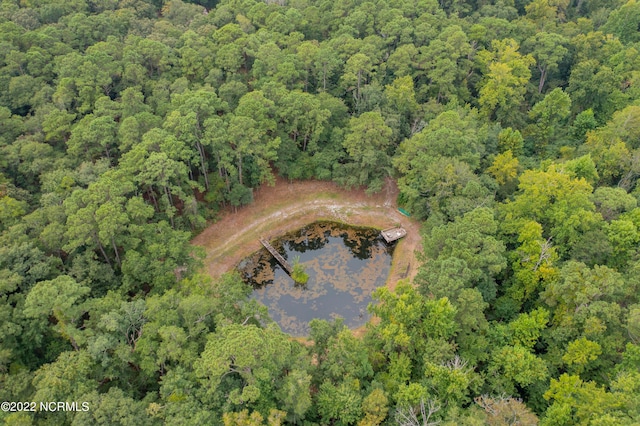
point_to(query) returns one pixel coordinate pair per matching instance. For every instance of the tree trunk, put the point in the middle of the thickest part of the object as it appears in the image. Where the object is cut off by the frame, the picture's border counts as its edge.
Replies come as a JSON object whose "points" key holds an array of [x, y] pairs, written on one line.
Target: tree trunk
{"points": [[543, 77], [203, 164], [168, 194], [115, 250], [101, 247], [152, 195], [324, 77], [358, 91]]}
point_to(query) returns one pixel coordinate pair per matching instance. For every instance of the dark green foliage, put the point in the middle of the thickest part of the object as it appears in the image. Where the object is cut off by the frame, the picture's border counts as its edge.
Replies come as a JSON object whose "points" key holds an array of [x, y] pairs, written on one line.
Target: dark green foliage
{"points": [[512, 129]]}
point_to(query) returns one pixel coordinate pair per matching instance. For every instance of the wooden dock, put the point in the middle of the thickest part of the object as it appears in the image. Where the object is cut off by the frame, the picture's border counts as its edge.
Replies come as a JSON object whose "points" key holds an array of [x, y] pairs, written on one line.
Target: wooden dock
{"points": [[392, 234], [287, 267]]}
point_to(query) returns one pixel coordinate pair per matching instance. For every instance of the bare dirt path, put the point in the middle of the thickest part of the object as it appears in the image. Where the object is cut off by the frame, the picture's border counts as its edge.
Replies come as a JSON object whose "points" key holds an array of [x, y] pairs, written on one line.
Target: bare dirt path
{"points": [[288, 206]]}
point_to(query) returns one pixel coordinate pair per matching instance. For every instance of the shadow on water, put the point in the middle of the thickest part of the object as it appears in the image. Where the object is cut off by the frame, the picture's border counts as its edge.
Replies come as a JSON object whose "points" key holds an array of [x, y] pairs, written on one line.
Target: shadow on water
{"points": [[344, 263]]}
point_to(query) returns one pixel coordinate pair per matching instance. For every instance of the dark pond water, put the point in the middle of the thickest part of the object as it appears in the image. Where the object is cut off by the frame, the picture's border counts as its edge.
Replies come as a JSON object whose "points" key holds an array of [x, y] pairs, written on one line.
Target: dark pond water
{"points": [[345, 264]]}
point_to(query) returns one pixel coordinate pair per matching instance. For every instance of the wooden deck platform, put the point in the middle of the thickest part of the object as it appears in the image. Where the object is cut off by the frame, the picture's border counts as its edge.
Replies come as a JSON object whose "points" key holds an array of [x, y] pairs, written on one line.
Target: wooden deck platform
{"points": [[392, 234], [287, 267]]}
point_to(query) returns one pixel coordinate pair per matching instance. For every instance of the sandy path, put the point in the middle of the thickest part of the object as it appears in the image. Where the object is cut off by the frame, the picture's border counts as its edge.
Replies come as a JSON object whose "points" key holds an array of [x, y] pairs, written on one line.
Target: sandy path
{"points": [[288, 206]]}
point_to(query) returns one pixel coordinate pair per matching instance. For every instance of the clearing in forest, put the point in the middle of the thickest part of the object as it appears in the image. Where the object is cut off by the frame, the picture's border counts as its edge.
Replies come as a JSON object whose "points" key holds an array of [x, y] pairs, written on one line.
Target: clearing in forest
{"points": [[288, 206]]}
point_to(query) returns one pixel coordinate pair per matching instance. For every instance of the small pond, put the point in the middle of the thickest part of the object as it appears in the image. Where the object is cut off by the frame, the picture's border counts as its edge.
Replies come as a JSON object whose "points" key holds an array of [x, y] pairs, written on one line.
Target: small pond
{"points": [[344, 263]]}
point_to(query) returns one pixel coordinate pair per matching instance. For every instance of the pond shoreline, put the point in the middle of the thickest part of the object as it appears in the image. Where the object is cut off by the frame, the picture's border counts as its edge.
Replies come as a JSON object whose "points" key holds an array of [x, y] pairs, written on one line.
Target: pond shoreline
{"points": [[291, 205]]}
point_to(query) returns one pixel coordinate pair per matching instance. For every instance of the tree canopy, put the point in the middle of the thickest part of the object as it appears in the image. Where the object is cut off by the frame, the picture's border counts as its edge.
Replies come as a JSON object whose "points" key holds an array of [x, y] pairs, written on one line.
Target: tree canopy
{"points": [[512, 130]]}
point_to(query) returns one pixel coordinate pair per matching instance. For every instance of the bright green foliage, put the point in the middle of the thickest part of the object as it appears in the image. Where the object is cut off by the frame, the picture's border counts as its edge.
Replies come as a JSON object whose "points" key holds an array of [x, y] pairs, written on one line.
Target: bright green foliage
{"points": [[557, 201], [513, 365], [575, 400], [243, 418], [341, 404], [402, 106], [504, 168], [66, 379], [582, 168], [411, 324], [505, 86], [623, 22], [510, 140], [375, 408], [581, 352], [533, 262], [625, 124], [11, 210], [298, 274], [526, 329]]}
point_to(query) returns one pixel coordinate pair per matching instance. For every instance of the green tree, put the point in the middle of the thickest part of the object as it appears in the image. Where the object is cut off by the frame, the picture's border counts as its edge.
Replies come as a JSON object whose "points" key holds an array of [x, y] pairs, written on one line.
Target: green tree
{"points": [[462, 254], [340, 404], [401, 101], [560, 203], [96, 216], [504, 168], [623, 20], [437, 165], [411, 324], [259, 358], [596, 86], [575, 400], [515, 365], [367, 142], [188, 123], [548, 50], [375, 408], [548, 118], [445, 63], [112, 407], [93, 137], [60, 298], [357, 71], [505, 81]]}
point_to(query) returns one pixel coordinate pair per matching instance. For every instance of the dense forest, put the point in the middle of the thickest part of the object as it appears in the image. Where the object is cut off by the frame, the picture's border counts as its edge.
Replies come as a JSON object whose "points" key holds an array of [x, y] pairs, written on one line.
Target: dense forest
{"points": [[512, 128]]}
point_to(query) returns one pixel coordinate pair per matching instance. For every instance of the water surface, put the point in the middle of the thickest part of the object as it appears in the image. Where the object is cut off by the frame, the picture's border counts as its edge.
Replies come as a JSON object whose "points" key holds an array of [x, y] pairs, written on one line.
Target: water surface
{"points": [[344, 263]]}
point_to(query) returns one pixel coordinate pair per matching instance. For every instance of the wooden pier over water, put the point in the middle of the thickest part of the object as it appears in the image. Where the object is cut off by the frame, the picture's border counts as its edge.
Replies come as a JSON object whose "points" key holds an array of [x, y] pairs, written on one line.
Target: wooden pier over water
{"points": [[287, 267], [392, 234]]}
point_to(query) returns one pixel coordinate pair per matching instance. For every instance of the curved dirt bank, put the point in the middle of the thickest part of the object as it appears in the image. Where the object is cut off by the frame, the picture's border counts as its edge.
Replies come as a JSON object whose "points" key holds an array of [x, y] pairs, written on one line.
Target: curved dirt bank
{"points": [[289, 206]]}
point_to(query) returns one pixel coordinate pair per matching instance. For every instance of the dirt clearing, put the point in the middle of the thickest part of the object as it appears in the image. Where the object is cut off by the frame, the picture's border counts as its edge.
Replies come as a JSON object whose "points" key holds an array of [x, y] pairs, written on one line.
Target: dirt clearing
{"points": [[289, 206]]}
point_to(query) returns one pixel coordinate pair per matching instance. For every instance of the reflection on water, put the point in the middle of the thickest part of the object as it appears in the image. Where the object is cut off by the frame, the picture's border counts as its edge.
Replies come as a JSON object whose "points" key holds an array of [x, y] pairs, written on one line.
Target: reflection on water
{"points": [[345, 264]]}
